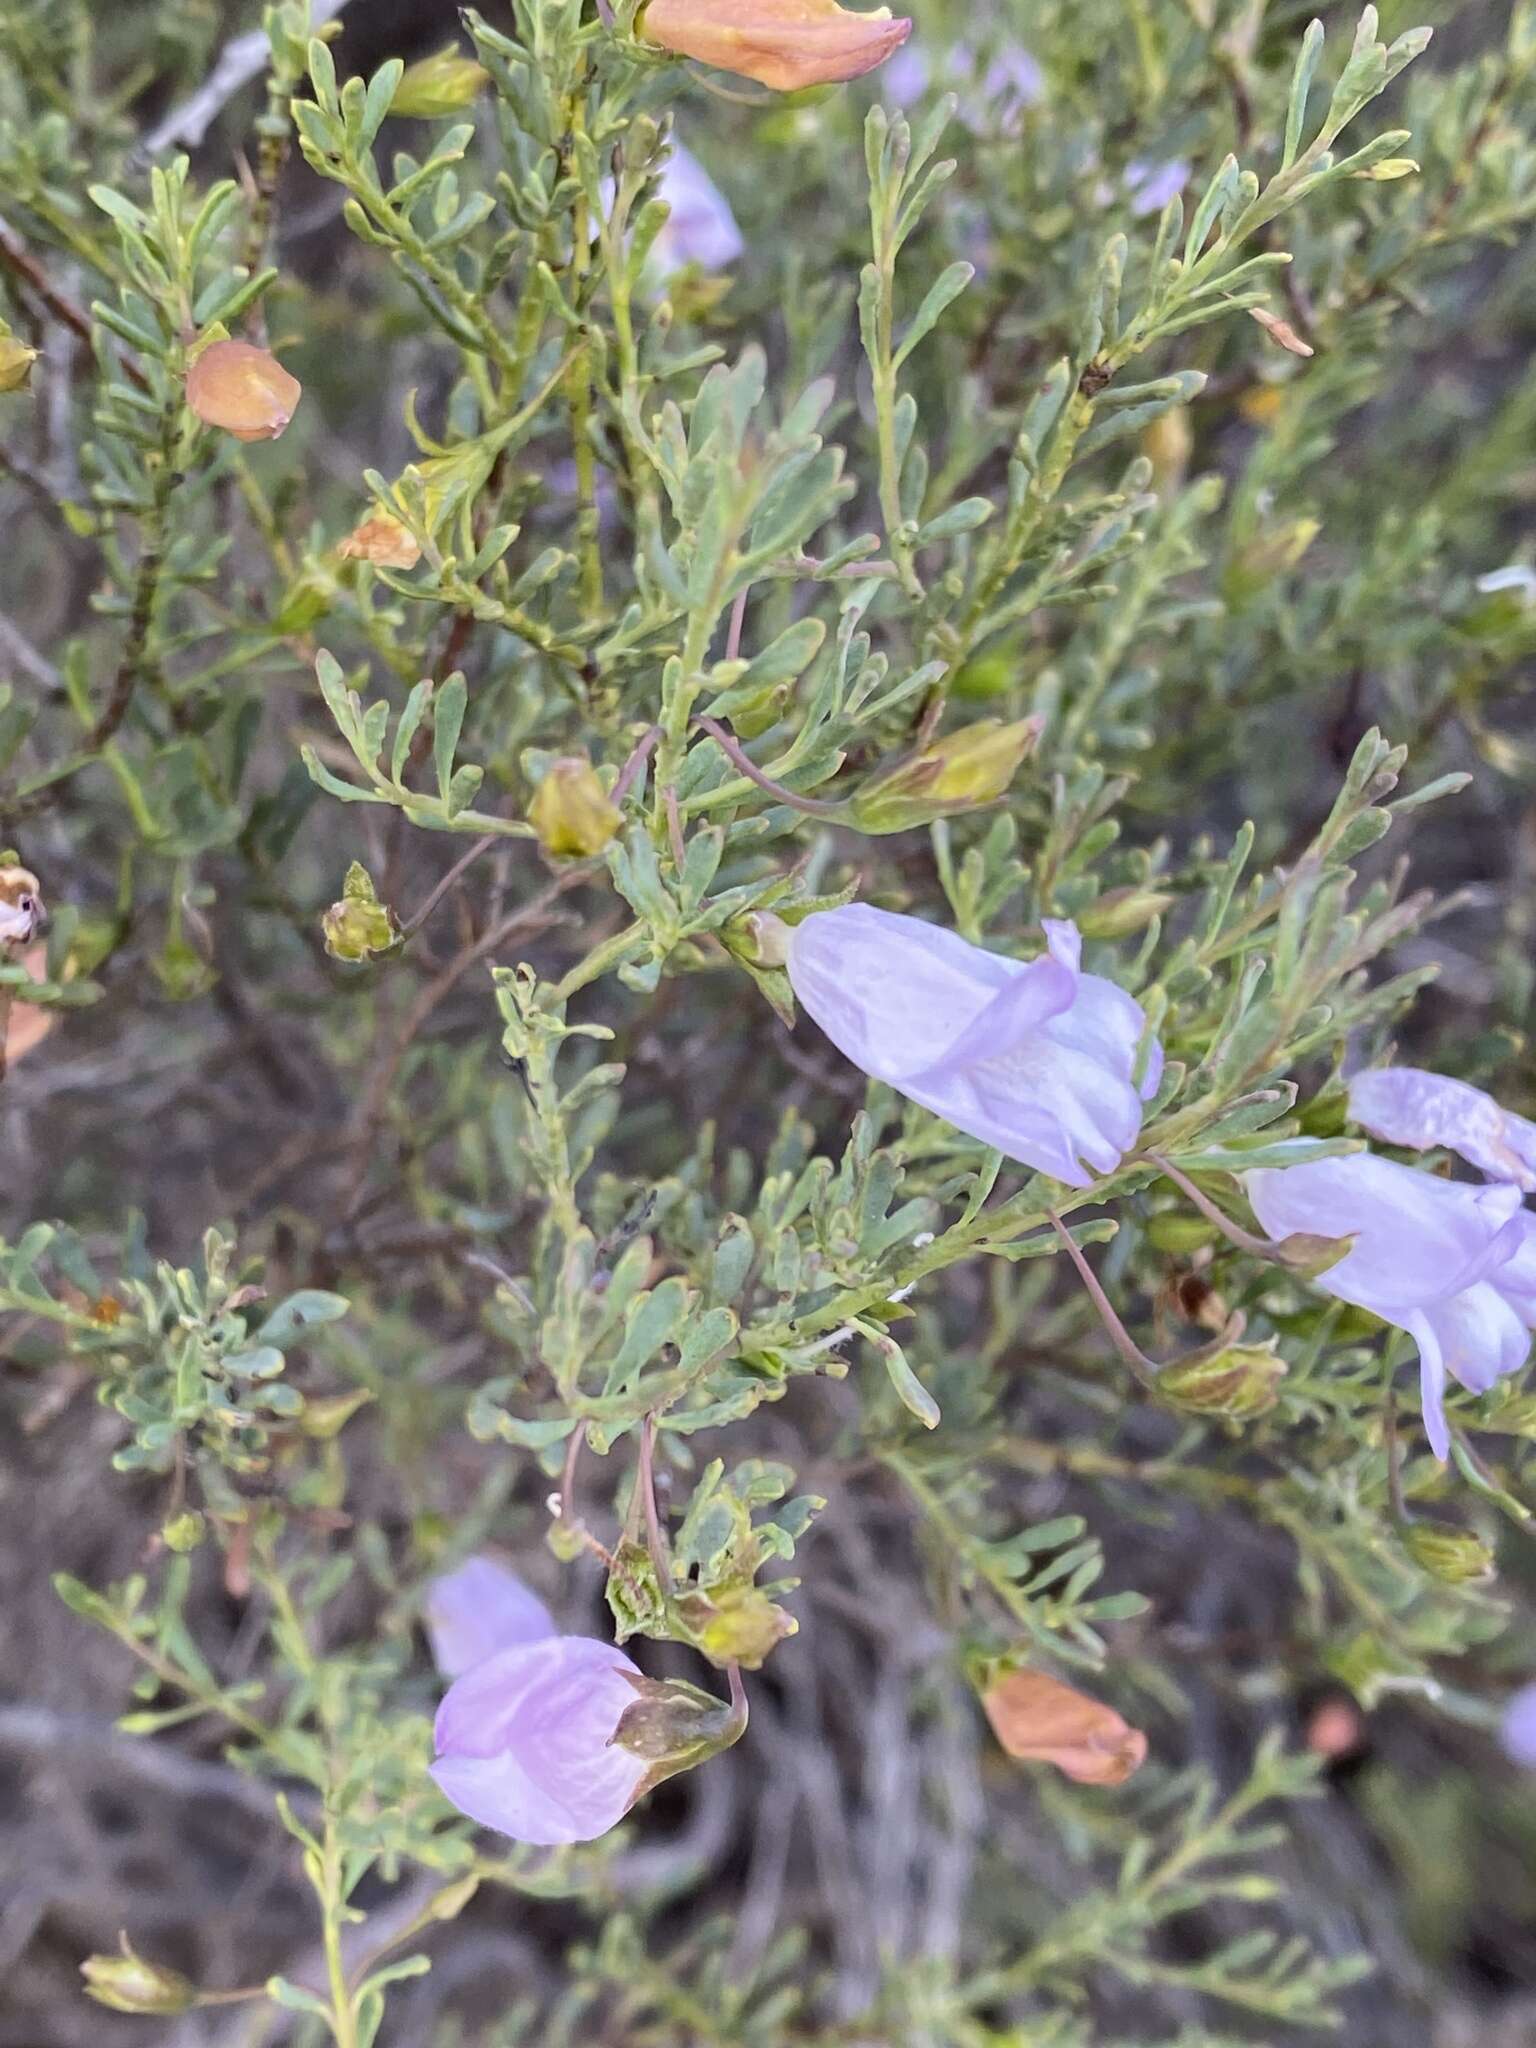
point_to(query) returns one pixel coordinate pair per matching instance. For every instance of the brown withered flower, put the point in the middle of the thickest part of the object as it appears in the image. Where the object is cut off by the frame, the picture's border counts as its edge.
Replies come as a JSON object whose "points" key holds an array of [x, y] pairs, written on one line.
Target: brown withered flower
{"points": [[381, 539], [243, 389], [1040, 1720], [785, 44]]}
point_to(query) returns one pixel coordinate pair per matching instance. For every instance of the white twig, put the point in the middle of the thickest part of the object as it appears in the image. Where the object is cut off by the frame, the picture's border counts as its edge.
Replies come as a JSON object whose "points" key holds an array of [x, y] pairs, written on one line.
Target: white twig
{"points": [[241, 59]]}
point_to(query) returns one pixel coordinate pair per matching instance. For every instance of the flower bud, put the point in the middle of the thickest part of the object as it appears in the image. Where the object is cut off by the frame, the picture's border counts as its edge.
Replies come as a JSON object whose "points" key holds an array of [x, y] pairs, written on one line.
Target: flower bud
{"points": [[243, 389], [381, 538], [184, 1532], [127, 1983], [16, 361], [359, 926], [784, 44], [439, 86], [1120, 912], [961, 772], [758, 940], [737, 1627], [1453, 1555], [1039, 1720], [571, 811], [327, 1415], [1239, 1381]]}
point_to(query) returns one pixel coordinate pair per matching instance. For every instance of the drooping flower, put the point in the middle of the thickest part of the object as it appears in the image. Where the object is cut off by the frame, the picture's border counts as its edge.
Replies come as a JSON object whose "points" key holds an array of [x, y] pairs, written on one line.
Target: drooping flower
{"points": [[1407, 1106], [1452, 1265], [549, 1738], [961, 771], [479, 1608], [1037, 1059], [701, 227], [243, 389], [1040, 1720], [784, 44], [525, 1741], [22, 915]]}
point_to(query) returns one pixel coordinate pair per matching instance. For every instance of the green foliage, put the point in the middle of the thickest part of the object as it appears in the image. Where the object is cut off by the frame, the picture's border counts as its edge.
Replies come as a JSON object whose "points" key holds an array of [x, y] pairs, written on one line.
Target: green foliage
{"points": [[966, 437]]}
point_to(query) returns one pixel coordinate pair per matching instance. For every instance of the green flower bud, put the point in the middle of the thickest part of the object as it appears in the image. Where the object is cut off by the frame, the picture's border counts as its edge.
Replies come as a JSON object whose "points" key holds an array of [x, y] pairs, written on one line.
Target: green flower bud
{"points": [[16, 361], [184, 1532], [570, 810], [439, 86], [359, 926], [1453, 1555], [1120, 912], [127, 1983], [758, 940], [326, 1415], [961, 772], [1238, 1381]]}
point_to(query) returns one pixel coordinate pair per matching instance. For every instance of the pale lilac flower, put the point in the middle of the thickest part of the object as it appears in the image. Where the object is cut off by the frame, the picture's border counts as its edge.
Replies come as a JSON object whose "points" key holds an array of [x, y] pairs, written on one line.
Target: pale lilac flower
{"points": [[702, 228], [1452, 1265], [1514, 576], [1012, 79], [1150, 186], [478, 1608], [525, 1741], [1407, 1106], [1037, 1059], [1517, 1730]]}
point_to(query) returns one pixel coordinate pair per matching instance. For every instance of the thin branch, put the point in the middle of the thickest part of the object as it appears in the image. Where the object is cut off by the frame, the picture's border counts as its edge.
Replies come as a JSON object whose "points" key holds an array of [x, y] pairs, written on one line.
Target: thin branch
{"points": [[241, 59]]}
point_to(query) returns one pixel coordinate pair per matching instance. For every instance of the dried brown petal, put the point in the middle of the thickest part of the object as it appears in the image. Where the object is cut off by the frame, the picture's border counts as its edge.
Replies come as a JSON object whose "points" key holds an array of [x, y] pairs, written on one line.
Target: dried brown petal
{"points": [[785, 44], [1281, 331], [381, 538], [243, 389], [1041, 1720]]}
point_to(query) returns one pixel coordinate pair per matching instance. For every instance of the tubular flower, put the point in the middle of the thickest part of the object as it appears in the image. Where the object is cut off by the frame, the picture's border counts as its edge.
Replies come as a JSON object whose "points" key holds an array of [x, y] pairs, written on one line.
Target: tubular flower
{"points": [[383, 539], [1406, 1106], [785, 44], [1037, 1059], [478, 1609], [526, 1741], [1517, 1730], [1453, 1266], [243, 389]]}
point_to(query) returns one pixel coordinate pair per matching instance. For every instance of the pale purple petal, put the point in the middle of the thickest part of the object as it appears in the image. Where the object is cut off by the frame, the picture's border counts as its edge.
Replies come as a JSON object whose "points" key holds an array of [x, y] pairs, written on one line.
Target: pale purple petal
{"points": [[904, 77], [1481, 1336], [525, 1741], [1517, 1731], [1034, 1058], [478, 1608], [1151, 186], [1419, 1239], [701, 227], [1431, 1383], [1429, 1255], [1407, 1106]]}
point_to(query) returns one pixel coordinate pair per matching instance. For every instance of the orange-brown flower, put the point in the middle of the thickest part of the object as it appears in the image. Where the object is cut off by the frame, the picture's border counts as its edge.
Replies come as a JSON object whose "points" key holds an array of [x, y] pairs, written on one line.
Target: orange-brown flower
{"points": [[25, 1025], [243, 389], [1043, 1721], [381, 538], [785, 44]]}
